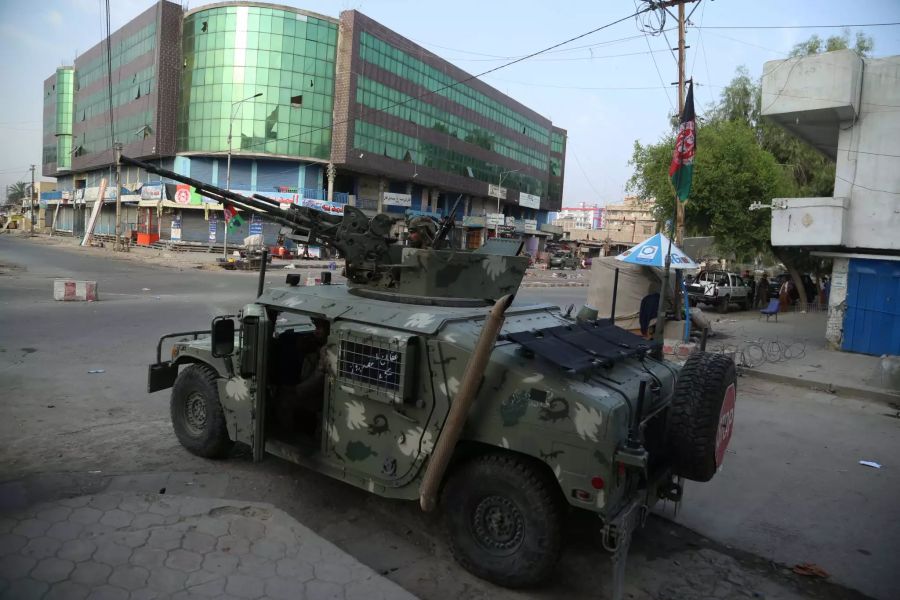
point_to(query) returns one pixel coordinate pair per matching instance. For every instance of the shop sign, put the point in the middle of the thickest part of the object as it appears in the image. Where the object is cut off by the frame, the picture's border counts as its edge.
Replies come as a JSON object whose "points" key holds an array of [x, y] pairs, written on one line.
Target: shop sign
{"points": [[151, 192], [506, 229], [494, 219], [528, 224], [256, 226], [175, 231], [495, 191], [510, 221], [473, 221], [212, 229], [393, 199], [323, 205], [529, 200]]}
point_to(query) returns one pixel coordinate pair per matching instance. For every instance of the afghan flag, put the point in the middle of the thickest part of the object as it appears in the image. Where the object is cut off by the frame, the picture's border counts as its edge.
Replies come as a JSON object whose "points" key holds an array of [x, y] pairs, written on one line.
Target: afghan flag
{"points": [[232, 218], [682, 168]]}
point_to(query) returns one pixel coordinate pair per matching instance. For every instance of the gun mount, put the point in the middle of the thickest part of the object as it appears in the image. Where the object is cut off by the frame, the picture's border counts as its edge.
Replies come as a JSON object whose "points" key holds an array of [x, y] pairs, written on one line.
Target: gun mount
{"points": [[375, 264]]}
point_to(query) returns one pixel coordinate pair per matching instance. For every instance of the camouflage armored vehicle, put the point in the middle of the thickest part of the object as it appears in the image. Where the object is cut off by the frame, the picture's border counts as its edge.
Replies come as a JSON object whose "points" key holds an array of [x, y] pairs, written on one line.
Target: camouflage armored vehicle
{"points": [[421, 380]]}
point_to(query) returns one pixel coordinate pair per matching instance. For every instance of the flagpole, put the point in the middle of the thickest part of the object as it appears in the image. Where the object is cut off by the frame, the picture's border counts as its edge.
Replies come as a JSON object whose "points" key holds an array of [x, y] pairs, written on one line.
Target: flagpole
{"points": [[659, 333]]}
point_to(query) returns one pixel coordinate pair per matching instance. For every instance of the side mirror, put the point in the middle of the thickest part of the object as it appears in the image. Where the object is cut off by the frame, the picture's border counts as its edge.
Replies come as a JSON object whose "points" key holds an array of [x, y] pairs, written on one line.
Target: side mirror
{"points": [[222, 337]]}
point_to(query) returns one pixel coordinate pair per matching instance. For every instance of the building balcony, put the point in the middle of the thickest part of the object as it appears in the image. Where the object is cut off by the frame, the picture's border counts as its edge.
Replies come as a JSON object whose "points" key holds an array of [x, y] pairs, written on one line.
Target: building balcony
{"points": [[811, 96]]}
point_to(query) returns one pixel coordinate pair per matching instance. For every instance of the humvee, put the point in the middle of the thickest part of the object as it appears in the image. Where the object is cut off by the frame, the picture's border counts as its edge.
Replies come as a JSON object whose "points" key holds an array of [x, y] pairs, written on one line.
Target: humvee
{"points": [[421, 380]]}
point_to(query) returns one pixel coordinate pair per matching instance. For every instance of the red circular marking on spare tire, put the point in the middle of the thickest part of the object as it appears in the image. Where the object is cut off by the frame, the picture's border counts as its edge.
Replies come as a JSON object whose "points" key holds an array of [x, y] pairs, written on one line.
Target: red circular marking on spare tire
{"points": [[726, 424]]}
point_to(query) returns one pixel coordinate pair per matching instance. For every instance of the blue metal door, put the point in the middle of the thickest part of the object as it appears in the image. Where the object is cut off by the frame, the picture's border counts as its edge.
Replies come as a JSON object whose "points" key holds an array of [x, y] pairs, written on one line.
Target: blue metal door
{"points": [[872, 320]]}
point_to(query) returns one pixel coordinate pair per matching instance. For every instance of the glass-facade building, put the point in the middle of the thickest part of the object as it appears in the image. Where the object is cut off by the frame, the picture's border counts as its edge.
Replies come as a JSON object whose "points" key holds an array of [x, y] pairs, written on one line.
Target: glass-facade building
{"points": [[58, 98], [235, 52], [415, 116], [342, 109]]}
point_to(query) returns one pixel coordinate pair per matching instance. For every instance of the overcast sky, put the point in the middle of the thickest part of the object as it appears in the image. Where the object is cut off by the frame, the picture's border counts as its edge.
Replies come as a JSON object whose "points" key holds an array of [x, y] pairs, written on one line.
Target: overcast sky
{"points": [[607, 92]]}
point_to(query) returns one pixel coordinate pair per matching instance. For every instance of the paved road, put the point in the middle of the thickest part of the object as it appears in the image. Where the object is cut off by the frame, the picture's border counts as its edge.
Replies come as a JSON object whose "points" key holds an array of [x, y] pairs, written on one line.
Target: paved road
{"points": [[68, 432]]}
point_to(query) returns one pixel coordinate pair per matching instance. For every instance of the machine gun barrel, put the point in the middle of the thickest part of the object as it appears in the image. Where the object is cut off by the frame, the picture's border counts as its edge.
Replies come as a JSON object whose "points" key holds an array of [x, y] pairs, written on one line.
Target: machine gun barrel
{"points": [[317, 225], [446, 224]]}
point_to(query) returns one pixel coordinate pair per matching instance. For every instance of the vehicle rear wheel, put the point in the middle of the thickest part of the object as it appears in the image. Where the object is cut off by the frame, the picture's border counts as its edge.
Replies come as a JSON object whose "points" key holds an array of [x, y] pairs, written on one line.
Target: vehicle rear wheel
{"points": [[701, 417], [197, 415], [723, 304], [504, 520]]}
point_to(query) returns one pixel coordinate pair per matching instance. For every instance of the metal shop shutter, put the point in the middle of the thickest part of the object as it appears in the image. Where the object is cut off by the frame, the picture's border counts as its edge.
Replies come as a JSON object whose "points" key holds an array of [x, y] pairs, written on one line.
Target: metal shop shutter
{"points": [[872, 320]]}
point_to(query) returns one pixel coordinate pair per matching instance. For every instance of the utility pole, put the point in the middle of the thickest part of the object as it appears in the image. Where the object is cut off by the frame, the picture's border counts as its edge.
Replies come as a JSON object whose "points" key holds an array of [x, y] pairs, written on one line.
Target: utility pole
{"points": [[679, 206], [117, 147], [31, 201]]}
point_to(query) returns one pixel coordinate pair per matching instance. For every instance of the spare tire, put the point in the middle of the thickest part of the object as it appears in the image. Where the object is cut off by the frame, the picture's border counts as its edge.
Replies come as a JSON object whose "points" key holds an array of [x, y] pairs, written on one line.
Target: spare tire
{"points": [[701, 417]]}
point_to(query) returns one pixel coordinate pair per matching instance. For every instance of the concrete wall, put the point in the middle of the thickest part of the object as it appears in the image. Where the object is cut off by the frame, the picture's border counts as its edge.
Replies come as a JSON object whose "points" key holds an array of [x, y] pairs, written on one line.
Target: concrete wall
{"points": [[837, 306], [846, 108]]}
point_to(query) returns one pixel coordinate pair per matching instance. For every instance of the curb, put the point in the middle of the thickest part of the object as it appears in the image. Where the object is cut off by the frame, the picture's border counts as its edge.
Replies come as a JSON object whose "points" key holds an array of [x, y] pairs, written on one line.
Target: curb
{"points": [[548, 284], [882, 396]]}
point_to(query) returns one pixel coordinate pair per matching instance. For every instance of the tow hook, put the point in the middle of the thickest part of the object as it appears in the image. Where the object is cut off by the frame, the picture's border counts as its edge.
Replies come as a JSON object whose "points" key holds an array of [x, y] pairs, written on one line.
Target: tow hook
{"points": [[671, 491]]}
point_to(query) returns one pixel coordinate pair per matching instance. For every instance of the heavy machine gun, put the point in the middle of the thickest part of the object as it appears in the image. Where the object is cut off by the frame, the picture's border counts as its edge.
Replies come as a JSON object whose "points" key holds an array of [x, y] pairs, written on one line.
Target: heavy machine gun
{"points": [[363, 242], [375, 264]]}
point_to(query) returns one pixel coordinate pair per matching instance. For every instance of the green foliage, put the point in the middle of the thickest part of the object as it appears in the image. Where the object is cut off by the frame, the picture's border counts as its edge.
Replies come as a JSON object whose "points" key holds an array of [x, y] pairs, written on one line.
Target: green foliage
{"points": [[17, 191], [731, 172], [742, 159], [863, 44]]}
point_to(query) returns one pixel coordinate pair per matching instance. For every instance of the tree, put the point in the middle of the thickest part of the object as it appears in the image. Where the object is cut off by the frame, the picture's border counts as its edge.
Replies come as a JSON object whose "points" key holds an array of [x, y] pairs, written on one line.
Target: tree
{"points": [[863, 44], [730, 173], [743, 158], [17, 191]]}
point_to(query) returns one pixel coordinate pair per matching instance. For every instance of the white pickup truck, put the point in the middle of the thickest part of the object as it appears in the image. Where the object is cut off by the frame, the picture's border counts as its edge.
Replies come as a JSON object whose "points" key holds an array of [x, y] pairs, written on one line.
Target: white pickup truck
{"points": [[720, 288]]}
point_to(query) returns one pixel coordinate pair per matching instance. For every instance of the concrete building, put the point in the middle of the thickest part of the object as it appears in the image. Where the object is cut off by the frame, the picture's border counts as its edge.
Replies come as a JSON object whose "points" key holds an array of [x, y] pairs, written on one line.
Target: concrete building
{"points": [[626, 224], [846, 107], [322, 112], [584, 216]]}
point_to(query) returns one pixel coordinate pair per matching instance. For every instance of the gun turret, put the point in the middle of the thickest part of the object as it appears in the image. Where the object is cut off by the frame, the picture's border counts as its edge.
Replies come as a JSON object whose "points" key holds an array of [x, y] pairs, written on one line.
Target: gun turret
{"points": [[363, 242], [375, 264]]}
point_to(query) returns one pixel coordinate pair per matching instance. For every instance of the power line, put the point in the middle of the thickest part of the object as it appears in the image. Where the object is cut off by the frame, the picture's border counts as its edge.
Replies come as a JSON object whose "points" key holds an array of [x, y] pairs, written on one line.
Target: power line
{"points": [[859, 185], [583, 172], [659, 74], [456, 83], [801, 26]]}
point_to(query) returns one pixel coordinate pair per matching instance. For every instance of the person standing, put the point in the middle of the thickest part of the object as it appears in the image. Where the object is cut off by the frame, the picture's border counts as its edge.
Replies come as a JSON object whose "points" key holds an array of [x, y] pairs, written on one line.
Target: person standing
{"points": [[784, 295], [762, 292]]}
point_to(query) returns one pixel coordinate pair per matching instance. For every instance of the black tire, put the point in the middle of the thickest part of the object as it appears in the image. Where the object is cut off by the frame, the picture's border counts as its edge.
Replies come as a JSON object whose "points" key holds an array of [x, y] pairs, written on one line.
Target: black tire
{"points": [[504, 519], [197, 415], [698, 427], [723, 304]]}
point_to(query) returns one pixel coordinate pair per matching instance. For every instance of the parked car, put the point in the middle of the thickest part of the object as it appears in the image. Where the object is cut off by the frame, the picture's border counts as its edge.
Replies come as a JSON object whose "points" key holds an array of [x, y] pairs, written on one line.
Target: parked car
{"points": [[563, 260], [720, 288]]}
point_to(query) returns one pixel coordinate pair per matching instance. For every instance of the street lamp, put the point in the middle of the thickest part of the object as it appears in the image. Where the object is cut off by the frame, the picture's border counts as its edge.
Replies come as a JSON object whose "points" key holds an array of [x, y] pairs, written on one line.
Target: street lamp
{"points": [[239, 103], [500, 184]]}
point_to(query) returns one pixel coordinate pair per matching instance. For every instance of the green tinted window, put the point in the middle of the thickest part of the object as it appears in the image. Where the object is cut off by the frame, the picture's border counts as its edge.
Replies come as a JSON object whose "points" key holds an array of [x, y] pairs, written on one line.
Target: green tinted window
{"points": [[232, 53], [380, 97], [379, 52], [378, 140]]}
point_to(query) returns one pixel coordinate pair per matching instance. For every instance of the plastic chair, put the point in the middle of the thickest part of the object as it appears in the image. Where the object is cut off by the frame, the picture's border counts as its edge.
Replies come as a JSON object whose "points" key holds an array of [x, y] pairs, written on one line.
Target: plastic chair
{"points": [[771, 309]]}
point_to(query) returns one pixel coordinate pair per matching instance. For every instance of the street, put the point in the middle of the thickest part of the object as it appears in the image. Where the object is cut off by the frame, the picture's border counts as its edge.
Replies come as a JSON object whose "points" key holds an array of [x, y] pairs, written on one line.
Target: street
{"points": [[77, 419]]}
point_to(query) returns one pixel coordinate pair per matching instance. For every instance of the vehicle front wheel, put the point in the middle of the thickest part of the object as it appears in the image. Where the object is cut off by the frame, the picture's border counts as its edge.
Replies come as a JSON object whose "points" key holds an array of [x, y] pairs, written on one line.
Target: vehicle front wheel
{"points": [[504, 519], [197, 415]]}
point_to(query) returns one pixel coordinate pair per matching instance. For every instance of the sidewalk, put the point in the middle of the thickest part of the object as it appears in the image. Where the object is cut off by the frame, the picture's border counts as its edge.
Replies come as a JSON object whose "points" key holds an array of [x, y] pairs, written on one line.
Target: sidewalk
{"points": [[801, 355], [128, 545]]}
